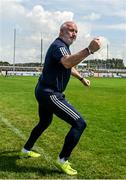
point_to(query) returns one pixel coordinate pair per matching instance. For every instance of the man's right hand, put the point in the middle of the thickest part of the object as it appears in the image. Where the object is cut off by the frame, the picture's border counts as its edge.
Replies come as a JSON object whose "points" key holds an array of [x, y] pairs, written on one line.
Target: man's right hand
{"points": [[94, 45]]}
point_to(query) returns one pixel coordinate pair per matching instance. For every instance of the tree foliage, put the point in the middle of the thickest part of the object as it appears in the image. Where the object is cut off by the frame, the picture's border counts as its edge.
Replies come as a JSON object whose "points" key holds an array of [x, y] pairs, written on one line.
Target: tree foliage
{"points": [[105, 64]]}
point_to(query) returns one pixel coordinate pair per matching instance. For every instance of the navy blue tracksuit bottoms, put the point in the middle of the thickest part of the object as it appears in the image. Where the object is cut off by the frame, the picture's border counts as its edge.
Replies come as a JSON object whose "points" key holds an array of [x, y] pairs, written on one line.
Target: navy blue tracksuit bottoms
{"points": [[55, 103]]}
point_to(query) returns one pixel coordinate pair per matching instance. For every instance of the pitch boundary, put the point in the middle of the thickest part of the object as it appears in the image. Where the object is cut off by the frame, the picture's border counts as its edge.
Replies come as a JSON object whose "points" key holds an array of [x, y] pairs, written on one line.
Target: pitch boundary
{"points": [[22, 136]]}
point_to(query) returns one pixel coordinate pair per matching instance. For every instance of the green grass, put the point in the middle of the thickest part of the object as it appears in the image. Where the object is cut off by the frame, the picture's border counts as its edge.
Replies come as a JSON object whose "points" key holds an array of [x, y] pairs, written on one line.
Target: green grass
{"points": [[101, 152]]}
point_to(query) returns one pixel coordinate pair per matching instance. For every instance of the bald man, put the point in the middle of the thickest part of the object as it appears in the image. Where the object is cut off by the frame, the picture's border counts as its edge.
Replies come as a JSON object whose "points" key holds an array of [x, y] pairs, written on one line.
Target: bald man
{"points": [[58, 67]]}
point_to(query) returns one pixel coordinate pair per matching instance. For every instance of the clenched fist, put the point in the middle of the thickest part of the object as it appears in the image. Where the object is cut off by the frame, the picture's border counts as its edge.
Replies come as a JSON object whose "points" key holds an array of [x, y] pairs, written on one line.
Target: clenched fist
{"points": [[94, 45]]}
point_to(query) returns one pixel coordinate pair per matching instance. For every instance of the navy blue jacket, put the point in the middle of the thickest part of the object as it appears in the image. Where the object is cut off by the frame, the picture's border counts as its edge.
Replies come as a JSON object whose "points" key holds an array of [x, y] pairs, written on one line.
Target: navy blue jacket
{"points": [[55, 76]]}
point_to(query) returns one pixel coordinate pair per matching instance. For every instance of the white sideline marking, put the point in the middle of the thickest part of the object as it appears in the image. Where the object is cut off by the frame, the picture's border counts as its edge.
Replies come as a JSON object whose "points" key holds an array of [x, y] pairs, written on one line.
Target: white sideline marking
{"points": [[12, 128], [22, 136]]}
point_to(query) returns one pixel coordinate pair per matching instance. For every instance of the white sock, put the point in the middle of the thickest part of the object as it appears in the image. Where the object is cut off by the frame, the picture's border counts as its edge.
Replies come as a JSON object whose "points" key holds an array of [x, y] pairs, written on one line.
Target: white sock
{"points": [[25, 150], [62, 160]]}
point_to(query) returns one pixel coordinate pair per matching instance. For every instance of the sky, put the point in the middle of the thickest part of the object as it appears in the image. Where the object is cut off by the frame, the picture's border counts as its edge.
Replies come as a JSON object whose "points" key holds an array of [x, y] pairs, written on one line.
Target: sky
{"points": [[36, 20]]}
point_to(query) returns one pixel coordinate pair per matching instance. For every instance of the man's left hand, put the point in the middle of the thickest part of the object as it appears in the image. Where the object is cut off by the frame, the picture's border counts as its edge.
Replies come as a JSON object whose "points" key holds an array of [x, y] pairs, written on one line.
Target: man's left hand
{"points": [[86, 82]]}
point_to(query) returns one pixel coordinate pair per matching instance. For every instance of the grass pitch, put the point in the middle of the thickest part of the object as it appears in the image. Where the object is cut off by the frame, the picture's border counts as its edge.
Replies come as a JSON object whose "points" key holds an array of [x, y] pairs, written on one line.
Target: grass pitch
{"points": [[101, 152]]}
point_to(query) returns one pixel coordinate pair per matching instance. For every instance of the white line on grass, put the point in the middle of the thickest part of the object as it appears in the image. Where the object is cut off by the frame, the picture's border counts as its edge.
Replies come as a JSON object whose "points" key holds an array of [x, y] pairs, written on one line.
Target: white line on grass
{"points": [[22, 136]]}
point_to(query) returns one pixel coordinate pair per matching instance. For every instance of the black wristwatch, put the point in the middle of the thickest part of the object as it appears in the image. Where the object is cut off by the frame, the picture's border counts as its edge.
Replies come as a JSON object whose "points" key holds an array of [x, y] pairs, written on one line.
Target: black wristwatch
{"points": [[81, 78], [89, 51]]}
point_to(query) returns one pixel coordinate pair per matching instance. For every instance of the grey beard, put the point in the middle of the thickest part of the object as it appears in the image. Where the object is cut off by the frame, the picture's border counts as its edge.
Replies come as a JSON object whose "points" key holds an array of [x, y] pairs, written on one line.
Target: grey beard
{"points": [[67, 41]]}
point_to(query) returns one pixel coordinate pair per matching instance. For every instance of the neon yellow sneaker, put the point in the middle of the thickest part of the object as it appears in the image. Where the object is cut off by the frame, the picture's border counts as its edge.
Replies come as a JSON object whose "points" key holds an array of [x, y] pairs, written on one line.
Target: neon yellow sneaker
{"points": [[65, 167], [28, 154]]}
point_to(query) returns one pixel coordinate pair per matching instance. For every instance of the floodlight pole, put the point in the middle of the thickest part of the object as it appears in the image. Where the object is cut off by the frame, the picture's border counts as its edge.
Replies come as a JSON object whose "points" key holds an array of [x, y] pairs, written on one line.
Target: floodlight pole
{"points": [[107, 55], [41, 48], [107, 52], [14, 50]]}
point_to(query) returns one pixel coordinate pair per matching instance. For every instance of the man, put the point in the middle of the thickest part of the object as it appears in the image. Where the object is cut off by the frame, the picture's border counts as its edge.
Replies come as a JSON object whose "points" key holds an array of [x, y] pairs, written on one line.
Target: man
{"points": [[59, 65]]}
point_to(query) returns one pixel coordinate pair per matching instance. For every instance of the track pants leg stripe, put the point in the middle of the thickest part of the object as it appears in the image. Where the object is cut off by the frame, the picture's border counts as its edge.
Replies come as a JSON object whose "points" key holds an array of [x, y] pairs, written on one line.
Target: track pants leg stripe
{"points": [[64, 107]]}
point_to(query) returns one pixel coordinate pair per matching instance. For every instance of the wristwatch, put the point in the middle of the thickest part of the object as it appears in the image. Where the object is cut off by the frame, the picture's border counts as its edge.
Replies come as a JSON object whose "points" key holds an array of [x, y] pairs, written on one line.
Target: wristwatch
{"points": [[81, 78], [89, 51]]}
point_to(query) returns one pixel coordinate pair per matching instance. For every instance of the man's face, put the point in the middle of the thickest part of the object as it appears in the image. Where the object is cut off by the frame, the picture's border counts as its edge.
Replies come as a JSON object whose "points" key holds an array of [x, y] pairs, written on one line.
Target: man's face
{"points": [[69, 33]]}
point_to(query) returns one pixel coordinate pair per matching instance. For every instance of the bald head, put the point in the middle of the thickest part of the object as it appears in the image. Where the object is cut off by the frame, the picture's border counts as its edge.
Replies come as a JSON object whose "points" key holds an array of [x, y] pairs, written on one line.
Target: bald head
{"points": [[68, 32], [67, 24]]}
